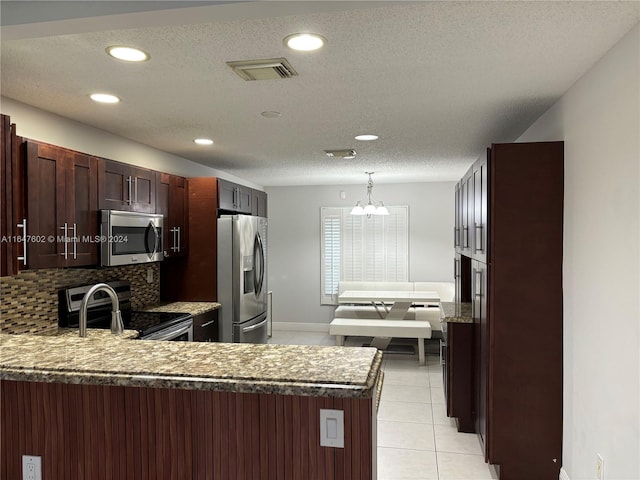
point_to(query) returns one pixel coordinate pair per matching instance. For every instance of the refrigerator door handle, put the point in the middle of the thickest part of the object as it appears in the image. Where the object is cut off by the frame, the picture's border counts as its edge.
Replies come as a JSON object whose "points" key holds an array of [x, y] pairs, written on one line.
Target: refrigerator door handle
{"points": [[257, 250], [254, 327]]}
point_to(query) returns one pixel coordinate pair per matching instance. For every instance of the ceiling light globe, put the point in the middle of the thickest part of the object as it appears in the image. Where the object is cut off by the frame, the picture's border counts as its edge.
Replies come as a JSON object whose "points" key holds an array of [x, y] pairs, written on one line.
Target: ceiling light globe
{"points": [[382, 210], [366, 138], [203, 141], [357, 210], [369, 209], [304, 42]]}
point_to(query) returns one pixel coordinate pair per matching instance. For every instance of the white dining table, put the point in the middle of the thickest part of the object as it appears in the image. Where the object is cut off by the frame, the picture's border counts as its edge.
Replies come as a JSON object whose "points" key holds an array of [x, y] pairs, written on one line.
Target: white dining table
{"points": [[401, 300]]}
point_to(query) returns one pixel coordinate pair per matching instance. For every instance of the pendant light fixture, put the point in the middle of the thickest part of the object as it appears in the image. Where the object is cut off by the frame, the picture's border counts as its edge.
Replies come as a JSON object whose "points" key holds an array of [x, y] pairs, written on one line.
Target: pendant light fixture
{"points": [[369, 205]]}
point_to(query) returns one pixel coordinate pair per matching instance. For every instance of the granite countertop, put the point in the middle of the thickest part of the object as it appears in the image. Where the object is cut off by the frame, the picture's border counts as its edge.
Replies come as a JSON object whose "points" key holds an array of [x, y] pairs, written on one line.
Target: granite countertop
{"points": [[94, 333], [455, 312], [233, 367], [194, 308]]}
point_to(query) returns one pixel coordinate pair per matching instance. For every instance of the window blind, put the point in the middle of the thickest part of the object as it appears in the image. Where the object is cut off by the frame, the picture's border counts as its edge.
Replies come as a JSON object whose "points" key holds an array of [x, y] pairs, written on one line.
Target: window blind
{"points": [[361, 248]]}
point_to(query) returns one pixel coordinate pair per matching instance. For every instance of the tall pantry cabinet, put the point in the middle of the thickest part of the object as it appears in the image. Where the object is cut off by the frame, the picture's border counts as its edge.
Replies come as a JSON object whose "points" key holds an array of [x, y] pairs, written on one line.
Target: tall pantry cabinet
{"points": [[511, 228]]}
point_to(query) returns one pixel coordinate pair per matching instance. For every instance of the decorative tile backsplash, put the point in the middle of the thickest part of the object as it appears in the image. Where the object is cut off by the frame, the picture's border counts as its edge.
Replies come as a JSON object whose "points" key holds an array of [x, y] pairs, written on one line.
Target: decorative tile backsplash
{"points": [[29, 300]]}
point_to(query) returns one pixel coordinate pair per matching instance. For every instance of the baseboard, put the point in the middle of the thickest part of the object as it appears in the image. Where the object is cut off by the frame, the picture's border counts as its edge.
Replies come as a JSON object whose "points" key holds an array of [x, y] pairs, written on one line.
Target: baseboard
{"points": [[300, 327], [563, 475]]}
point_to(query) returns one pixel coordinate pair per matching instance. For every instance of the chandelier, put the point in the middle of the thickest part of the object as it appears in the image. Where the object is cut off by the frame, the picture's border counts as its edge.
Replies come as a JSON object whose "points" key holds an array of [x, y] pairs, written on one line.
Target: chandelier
{"points": [[372, 206]]}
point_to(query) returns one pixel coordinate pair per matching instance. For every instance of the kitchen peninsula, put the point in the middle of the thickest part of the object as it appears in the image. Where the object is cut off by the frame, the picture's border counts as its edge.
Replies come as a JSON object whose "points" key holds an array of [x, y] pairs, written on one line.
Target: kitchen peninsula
{"points": [[115, 408]]}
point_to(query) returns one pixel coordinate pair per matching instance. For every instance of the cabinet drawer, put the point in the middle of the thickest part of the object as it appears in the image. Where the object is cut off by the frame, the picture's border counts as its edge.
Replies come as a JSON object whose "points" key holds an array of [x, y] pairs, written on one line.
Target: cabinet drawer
{"points": [[205, 327]]}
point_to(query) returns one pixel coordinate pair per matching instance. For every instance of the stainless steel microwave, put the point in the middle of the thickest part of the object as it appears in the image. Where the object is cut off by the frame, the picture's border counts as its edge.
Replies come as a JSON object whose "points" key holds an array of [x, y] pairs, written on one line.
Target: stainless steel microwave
{"points": [[129, 238]]}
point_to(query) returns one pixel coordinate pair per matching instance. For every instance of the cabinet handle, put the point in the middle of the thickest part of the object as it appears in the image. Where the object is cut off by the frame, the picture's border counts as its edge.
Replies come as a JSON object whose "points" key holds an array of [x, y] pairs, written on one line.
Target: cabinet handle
{"points": [[129, 181], [23, 226], [456, 236], [64, 227], [476, 242], [178, 229], [466, 237], [135, 184], [455, 268], [75, 241], [478, 289], [207, 324]]}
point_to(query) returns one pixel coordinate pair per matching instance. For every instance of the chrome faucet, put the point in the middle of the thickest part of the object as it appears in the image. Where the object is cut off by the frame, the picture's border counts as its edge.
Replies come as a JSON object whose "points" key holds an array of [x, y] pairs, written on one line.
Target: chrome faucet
{"points": [[116, 317]]}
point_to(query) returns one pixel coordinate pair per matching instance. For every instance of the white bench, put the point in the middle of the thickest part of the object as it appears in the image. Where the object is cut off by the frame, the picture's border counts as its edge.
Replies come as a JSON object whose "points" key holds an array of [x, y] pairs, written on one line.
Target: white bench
{"points": [[342, 327]]}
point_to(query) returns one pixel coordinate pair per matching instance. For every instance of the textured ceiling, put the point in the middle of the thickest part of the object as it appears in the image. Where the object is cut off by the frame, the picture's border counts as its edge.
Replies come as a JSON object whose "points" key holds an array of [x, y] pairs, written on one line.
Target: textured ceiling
{"points": [[437, 81]]}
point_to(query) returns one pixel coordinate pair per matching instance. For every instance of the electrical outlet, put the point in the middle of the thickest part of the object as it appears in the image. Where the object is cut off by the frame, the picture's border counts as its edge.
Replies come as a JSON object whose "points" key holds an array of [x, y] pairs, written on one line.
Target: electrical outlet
{"points": [[31, 468], [600, 468]]}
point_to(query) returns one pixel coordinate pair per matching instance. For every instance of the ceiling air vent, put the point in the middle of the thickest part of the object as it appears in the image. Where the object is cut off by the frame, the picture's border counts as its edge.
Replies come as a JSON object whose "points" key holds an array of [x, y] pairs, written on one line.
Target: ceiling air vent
{"points": [[267, 69]]}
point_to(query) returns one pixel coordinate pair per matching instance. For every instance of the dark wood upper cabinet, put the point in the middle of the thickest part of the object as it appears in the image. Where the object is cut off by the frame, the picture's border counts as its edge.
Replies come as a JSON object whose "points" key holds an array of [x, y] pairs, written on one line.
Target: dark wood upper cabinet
{"points": [[258, 203], [466, 212], [171, 202], [12, 201], [126, 187], [194, 278], [233, 198], [479, 172], [61, 206]]}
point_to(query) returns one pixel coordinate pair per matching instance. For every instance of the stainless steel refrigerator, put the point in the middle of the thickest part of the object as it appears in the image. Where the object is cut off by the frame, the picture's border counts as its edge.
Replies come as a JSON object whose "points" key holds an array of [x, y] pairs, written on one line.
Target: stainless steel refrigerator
{"points": [[242, 278]]}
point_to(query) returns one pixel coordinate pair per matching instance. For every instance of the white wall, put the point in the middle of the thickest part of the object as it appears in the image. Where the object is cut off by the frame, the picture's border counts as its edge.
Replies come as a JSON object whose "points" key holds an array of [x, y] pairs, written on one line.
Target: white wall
{"points": [[294, 240], [47, 127], [599, 120]]}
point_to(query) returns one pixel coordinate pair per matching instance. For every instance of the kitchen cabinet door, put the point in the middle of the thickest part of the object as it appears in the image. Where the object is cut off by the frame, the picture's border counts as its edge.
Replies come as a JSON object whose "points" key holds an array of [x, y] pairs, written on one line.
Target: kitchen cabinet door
{"points": [[457, 228], [258, 203], [205, 327], [466, 197], [62, 217], [458, 374], [126, 187], [12, 212], [479, 225], [171, 202], [481, 334], [81, 186], [233, 198]]}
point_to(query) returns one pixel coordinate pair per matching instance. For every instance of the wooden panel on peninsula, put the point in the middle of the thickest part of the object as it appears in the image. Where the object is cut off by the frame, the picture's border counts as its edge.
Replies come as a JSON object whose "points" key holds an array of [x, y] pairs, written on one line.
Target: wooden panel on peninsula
{"points": [[197, 411]]}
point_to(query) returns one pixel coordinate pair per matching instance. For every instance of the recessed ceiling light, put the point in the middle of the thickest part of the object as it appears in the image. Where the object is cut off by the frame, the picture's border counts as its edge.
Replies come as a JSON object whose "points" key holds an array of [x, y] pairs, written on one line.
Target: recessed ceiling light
{"points": [[128, 54], [203, 141], [104, 98], [366, 138], [271, 114], [304, 42]]}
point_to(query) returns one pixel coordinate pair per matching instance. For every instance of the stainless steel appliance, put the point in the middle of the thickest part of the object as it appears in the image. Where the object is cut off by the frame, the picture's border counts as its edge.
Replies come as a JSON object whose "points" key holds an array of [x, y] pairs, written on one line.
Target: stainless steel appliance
{"points": [[130, 237], [150, 325], [242, 278]]}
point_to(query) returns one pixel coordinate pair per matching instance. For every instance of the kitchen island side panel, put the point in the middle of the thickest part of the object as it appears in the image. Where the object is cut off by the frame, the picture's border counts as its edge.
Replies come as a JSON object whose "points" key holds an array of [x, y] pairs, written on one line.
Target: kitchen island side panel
{"points": [[109, 432]]}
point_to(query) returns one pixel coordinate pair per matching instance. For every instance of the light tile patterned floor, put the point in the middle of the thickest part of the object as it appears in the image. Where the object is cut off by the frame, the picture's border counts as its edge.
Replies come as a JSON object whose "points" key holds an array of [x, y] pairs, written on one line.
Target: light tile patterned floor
{"points": [[416, 439]]}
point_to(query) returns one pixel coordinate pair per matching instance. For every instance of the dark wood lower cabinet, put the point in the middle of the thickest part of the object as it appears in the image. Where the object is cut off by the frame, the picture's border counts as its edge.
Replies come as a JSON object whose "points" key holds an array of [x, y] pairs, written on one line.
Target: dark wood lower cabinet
{"points": [[106, 432], [458, 374], [205, 327]]}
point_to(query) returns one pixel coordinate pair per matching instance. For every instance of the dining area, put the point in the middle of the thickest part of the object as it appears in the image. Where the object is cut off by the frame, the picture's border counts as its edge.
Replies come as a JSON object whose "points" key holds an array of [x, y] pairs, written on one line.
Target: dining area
{"points": [[388, 310]]}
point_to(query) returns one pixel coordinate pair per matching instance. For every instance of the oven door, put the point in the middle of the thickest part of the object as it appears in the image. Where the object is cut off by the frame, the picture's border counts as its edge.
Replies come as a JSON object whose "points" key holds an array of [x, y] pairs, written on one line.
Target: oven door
{"points": [[182, 332]]}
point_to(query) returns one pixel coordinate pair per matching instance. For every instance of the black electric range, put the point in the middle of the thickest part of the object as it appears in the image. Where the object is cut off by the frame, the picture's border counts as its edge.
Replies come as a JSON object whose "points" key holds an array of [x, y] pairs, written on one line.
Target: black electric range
{"points": [[150, 325]]}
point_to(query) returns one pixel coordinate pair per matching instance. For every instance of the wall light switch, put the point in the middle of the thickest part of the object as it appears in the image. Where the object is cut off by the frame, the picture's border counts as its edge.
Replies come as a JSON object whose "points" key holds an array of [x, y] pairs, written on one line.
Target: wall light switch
{"points": [[331, 428]]}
